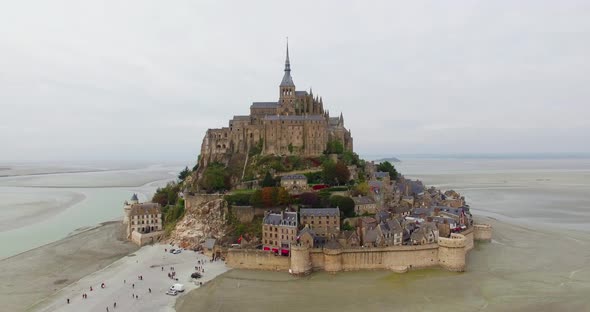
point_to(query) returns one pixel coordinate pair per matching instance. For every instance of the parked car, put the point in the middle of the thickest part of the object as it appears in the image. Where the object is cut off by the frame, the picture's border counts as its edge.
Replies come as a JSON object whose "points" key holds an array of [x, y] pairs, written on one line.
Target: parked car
{"points": [[177, 287], [172, 250], [177, 251], [196, 275], [172, 292]]}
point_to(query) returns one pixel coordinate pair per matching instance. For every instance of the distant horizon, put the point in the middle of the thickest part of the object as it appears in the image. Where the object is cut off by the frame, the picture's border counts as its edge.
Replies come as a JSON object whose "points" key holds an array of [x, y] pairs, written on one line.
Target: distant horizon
{"points": [[401, 157]]}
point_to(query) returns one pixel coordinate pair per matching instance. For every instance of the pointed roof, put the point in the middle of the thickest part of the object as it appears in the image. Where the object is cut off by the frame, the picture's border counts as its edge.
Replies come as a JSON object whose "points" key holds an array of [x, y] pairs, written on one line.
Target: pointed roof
{"points": [[134, 197], [287, 80]]}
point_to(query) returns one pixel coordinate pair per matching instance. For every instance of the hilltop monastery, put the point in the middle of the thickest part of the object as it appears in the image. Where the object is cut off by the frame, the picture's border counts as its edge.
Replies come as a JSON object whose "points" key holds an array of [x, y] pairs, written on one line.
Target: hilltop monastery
{"points": [[295, 124]]}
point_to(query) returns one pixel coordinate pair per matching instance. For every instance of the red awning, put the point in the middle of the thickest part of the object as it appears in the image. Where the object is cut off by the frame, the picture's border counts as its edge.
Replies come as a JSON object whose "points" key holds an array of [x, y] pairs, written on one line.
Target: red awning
{"points": [[285, 252], [266, 248], [275, 250]]}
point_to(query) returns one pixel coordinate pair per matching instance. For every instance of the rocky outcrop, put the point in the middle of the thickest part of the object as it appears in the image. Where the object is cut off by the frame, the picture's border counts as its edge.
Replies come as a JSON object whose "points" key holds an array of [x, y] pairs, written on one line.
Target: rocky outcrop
{"points": [[204, 217]]}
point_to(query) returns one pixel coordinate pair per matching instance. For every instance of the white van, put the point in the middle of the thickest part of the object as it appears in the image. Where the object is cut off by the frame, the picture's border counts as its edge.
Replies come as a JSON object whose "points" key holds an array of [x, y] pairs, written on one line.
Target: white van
{"points": [[177, 287]]}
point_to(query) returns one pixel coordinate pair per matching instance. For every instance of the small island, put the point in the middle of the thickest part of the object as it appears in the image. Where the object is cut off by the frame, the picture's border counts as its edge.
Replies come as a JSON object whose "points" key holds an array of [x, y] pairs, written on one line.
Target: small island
{"points": [[282, 189]]}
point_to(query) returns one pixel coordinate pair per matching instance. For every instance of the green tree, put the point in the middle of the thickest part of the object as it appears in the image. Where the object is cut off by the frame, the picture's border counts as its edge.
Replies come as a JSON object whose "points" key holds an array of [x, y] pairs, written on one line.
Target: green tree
{"points": [[309, 199], [268, 181], [361, 189], [256, 199], [345, 204], [183, 174], [290, 147], [215, 178], [334, 147], [335, 173], [347, 227], [386, 166], [283, 196]]}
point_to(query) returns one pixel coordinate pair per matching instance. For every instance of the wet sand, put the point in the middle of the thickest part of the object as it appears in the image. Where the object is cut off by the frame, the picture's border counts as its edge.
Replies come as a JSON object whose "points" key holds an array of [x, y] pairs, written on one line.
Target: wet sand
{"points": [[521, 269], [17, 213], [31, 276]]}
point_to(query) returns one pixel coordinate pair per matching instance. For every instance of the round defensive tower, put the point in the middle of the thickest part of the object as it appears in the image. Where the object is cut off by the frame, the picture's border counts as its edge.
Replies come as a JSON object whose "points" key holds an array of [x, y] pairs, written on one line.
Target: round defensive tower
{"points": [[333, 257], [451, 252], [482, 232], [300, 260]]}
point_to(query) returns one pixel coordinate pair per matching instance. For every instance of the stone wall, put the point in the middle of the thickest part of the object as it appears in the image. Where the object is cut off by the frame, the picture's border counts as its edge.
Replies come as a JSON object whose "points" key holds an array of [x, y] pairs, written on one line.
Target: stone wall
{"points": [[245, 214], [468, 238], [146, 238], [449, 253], [452, 252], [482, 232], [255, 259], [390, 258]]}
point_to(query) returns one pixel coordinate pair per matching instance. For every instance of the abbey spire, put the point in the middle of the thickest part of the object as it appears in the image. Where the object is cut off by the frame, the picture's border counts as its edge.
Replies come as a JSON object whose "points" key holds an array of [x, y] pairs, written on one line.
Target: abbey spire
{"points": [[287, 80]]}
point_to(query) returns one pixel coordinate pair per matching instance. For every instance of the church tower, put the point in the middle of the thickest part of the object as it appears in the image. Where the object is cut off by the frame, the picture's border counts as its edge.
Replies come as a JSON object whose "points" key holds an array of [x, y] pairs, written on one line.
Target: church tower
{"points": [[287, 90]]}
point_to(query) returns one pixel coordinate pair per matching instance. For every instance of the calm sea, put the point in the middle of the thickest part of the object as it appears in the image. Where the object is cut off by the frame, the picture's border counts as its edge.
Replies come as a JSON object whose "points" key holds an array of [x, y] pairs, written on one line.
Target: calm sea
{"points": [[44, 203]]}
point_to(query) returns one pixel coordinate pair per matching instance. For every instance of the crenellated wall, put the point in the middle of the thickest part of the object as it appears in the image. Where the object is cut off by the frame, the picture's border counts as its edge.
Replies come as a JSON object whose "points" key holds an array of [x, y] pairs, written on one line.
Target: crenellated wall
{"points": [[255, 259], [482, 232], [449, 253]]}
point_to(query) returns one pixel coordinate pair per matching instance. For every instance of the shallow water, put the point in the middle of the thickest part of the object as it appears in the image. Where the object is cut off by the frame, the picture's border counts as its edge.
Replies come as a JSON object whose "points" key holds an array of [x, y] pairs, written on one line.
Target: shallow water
{"points": [[539, 259], [43, 204]]}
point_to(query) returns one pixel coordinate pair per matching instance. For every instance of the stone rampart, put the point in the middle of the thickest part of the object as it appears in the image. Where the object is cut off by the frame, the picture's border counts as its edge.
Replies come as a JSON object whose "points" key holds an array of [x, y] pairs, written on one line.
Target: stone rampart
{"points": [[255, 259], [245, 214], [390, 258], [146, 238], [449, 253], [452, 251], [482, 232], [300, 260], [468, 238]]}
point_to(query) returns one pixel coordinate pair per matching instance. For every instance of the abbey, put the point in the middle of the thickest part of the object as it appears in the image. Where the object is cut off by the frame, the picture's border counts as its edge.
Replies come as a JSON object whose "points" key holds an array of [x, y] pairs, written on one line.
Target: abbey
{"points": [[296, 124]]}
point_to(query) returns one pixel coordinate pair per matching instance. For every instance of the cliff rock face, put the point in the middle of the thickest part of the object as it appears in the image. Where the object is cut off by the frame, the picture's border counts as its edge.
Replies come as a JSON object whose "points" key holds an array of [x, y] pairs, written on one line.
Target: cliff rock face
{"points": [[204, 217]]}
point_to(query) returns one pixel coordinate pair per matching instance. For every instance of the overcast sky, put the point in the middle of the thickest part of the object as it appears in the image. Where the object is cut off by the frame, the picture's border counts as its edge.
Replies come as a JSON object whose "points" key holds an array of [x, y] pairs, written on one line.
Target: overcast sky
{"points": [[94, 80]]}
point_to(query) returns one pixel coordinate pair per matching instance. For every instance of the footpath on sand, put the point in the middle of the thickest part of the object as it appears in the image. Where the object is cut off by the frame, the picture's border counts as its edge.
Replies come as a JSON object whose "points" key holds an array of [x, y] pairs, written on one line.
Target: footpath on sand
{"points": [[137, 282], [33, 275]]}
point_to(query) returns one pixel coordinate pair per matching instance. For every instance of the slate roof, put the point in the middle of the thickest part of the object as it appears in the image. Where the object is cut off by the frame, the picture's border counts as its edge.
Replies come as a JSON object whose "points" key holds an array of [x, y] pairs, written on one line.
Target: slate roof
{"points": [[346, 234], [363, 200], [306, 230], [320, 212], [370, 236], [333, 244], [381, 174], [289, 219], [264, 105], [334, 121], [134, 197], [294, 177], [241, 117], [145, 209], [294, 117], [378, 184], [300, 93], [382, 215]]}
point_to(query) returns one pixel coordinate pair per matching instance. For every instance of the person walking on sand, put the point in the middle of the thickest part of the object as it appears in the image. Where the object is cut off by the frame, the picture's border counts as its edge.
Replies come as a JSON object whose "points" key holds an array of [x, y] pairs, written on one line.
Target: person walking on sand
{"points": [[150, 290], [68, 300], [115, 304], [133, 285], [107, 309]]}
